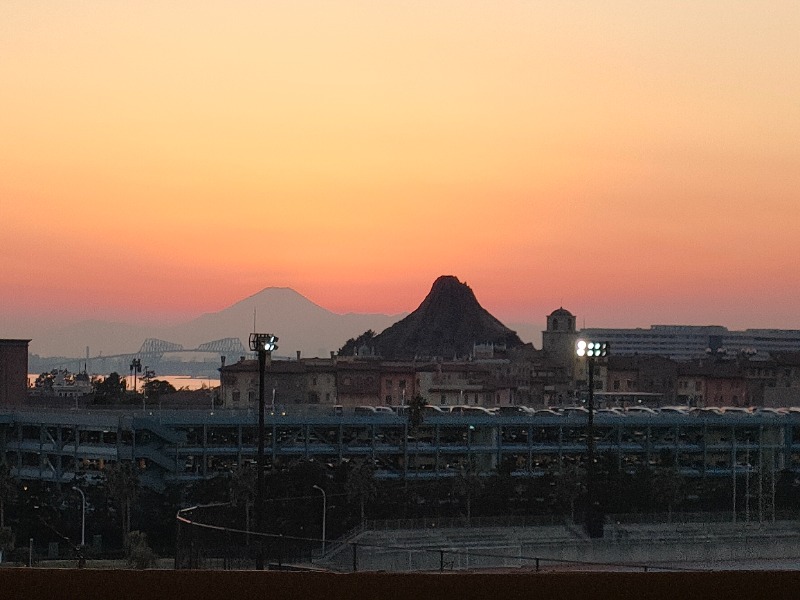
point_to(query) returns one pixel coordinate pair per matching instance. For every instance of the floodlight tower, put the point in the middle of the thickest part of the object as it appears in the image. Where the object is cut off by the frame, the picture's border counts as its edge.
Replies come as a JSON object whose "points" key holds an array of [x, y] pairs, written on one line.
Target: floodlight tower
{"points": [[264, 344], [594, 515]]}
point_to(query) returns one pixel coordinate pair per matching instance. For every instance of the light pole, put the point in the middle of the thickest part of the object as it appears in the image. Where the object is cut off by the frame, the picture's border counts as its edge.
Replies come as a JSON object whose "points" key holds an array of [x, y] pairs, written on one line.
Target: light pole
{"points": [[324, 513], [594, 515], [263, 344], [83, 514]]}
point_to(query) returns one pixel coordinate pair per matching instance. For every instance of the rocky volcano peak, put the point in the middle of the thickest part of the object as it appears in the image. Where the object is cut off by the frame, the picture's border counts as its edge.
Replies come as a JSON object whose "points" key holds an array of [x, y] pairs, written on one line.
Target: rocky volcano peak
{"points": [[448, 323]]}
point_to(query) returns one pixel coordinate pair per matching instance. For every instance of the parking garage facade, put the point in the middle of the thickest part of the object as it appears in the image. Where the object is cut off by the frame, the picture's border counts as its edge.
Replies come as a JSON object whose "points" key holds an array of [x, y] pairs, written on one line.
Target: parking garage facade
{"points": [[186, 446]]}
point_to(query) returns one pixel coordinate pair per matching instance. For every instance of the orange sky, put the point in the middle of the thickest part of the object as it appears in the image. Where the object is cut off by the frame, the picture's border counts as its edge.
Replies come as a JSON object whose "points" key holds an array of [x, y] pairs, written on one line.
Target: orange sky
{"points": [[637, 162]]}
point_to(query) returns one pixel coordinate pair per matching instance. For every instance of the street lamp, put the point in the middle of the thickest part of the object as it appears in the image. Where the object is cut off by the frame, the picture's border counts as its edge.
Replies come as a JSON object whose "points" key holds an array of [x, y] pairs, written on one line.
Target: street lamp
{"points": [[594, 516], [324, 513], [83, 514], [263, 344]]}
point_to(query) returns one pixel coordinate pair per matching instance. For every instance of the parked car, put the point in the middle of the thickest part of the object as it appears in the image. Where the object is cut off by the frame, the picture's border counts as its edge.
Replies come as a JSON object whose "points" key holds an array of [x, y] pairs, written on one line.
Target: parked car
{"points": [[674, 410], [547, 412], [736, 410], [574, 411], [512, 411], [610, 412], [470, 411], [373, 410], [770, 411], [640, 410]]}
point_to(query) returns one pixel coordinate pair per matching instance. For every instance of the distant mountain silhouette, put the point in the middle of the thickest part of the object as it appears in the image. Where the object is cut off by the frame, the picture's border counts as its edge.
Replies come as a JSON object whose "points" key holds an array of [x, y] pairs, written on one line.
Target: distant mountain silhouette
{"points": [[447, 324], [299, 323]]}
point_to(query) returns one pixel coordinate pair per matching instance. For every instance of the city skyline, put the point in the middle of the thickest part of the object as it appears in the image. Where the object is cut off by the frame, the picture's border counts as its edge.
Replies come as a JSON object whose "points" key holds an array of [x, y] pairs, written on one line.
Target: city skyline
{"points": [[635, 163]]}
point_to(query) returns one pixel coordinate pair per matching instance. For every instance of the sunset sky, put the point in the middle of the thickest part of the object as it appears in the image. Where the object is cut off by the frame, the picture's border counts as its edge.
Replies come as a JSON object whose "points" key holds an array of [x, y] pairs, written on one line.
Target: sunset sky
{"points": [[636, 161]]}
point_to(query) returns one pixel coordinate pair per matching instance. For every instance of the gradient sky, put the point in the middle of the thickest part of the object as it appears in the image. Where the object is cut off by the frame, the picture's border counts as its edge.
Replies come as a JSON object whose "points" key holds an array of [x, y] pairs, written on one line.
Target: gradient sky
{"points": [[636, 162]]}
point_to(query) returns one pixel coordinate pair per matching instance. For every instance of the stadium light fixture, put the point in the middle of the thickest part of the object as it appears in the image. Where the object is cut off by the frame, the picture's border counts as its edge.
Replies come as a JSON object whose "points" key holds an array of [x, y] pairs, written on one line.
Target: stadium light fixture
{"points": [[594, 512], [263, 344], [591, 349]]}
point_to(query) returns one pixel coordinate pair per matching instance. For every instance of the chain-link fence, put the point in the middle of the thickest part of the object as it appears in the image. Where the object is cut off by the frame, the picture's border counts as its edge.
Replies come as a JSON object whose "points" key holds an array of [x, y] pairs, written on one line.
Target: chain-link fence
{"points": [[207, 538], [205, 541]]}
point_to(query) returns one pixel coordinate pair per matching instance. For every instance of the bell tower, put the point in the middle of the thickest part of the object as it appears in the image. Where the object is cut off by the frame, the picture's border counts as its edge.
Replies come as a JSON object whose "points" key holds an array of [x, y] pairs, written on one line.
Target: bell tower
{"points": [[558, 341]]}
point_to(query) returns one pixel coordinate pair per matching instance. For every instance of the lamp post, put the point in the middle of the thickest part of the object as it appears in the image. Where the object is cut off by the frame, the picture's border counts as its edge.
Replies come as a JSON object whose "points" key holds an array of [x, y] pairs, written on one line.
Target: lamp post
{"points": [[324, 513], [594, 516], [83, 514], [263, 344]]}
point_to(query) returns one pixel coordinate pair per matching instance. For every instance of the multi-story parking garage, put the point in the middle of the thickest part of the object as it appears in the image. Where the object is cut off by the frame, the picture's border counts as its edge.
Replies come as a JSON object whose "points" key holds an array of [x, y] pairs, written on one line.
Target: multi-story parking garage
{"points": [[185, 446]]}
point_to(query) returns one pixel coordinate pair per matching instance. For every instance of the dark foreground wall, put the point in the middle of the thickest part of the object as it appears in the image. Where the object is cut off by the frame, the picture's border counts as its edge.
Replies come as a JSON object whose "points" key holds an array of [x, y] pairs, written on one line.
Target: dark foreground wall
{"points": [[35, 584]]}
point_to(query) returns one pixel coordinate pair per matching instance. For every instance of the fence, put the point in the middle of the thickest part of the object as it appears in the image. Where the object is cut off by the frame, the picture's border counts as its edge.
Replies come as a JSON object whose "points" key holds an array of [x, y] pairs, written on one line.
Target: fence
{"points": [[203, 541], [529, 543]]}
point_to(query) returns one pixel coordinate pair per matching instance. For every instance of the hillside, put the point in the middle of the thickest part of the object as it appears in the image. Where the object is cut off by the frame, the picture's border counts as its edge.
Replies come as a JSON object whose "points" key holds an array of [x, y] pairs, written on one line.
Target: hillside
{"points": [[447, 324]]}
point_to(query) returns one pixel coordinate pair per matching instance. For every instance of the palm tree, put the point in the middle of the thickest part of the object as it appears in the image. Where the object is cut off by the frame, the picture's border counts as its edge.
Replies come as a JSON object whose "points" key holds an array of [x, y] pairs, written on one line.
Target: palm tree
{"points": [[122, 484], [468, 483], [243, 485], [360, 484], [416, 407], [570, 484], [6, 541], [8, 490], [668, 486]]}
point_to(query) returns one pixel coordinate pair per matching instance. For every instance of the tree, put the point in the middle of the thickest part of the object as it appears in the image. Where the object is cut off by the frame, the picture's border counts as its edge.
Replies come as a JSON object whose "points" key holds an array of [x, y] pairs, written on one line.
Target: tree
{"points": [[139, 554], [668, 487], [360, 484], [122, 484], [6, 541], [111, 388], [8, 490], [570, 484], [352, 346], [243, 486], [416, 410], [154, 388], [468, 483], [44, 382]]}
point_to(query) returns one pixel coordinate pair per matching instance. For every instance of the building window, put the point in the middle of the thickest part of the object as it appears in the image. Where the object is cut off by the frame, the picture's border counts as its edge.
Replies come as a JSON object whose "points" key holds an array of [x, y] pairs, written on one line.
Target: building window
{"points": [[402, 384], [388, 384], [251, 396], [236, 396], [616, 385], [389, 400]]}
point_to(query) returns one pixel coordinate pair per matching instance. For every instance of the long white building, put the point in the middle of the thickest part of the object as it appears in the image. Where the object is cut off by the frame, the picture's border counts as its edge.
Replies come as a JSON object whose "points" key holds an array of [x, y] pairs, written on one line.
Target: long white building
{"points": [[683, 342]]}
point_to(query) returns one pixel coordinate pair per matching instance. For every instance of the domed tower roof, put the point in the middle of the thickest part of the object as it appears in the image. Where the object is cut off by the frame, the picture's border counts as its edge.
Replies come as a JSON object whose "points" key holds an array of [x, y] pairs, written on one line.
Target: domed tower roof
{"points": [[561, 320]]}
